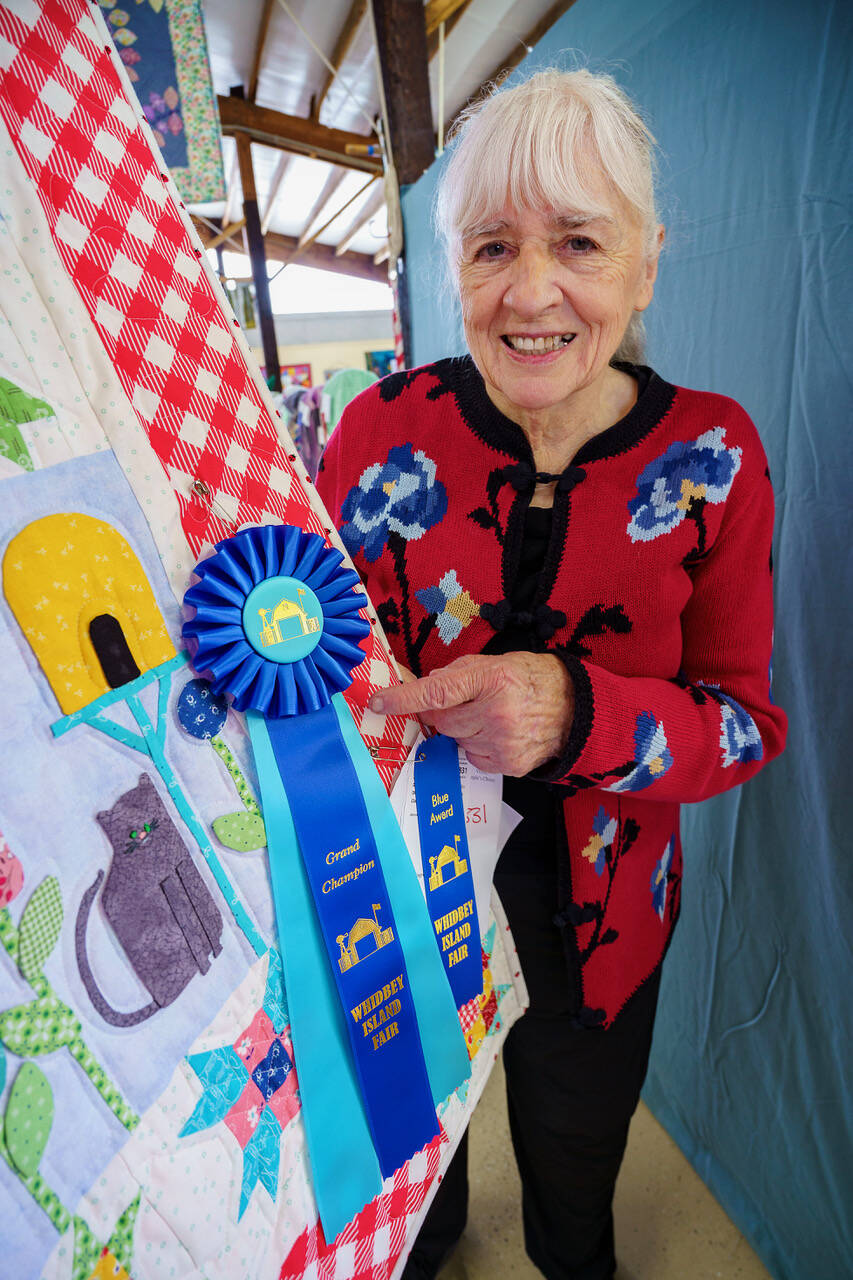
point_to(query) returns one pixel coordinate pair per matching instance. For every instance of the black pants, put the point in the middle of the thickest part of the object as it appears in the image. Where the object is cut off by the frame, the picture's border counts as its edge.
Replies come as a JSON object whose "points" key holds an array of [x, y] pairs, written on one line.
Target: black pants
{"points": [[571, 1093]]}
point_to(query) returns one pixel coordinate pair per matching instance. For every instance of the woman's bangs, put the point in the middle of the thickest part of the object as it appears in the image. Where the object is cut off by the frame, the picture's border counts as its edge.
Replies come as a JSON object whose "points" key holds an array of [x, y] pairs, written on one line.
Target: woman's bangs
{"points": [[541, 170]]}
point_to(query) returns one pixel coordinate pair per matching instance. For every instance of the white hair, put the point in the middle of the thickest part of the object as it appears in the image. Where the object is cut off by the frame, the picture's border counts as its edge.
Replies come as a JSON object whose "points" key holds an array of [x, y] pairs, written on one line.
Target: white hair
{"points": [[545, 144]]}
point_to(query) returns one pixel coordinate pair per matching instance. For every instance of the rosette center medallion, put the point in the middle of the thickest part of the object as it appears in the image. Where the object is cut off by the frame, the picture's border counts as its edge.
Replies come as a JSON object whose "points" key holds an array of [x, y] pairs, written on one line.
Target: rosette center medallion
{"points": [[282, 619]]}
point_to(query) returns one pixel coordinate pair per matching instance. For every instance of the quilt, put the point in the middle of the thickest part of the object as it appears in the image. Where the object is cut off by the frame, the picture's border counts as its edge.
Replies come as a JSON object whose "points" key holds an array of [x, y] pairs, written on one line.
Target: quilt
{"points": [[152, 1122]]}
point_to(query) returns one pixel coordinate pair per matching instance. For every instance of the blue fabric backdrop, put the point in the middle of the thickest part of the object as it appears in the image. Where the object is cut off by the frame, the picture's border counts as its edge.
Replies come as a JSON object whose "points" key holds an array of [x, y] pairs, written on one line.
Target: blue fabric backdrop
{"points": [[753, 110]]}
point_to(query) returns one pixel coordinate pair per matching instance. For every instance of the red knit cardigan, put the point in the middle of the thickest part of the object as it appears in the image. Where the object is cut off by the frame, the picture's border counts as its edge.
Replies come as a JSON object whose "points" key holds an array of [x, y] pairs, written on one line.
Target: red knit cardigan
{"points": [[656, 593]]}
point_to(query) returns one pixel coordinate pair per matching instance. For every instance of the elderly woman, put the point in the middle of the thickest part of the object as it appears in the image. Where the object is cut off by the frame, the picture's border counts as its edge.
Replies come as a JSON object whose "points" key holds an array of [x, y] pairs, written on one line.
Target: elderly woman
{"points": [[573, 556]]}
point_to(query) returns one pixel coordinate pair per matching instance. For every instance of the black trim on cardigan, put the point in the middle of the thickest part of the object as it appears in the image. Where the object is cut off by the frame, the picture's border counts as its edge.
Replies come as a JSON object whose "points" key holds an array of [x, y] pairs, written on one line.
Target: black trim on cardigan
{"points": [[562, 510], [581, 728], [499, 432]]}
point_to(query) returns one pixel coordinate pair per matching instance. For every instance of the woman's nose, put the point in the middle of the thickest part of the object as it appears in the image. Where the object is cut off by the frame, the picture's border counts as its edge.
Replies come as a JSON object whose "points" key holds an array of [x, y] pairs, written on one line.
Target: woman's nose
{"points": [[533, 286]]}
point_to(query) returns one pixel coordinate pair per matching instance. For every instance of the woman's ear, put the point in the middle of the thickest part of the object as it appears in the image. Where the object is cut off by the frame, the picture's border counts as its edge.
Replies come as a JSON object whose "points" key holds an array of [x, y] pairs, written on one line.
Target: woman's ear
{"points": [[647, 283]]}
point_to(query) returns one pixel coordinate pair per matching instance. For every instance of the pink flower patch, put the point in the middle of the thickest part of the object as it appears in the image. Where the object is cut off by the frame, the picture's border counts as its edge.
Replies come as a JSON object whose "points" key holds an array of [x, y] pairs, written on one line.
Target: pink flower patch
{"points": [[252, 1046], [11, 874]]}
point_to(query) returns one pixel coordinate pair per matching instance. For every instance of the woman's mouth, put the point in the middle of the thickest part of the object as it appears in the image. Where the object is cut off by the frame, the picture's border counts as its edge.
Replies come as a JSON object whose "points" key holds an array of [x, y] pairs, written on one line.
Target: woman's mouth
{"points": [[526, 344]]}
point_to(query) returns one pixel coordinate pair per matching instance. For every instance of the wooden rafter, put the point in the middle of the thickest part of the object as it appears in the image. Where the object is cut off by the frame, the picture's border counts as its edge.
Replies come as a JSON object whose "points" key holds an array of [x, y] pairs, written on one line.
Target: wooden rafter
{"points": [[527, 42], [438, 11], [275, 186], [229, 230], [449, 24], [346, 35], [263, 29], [292, 133], [257, 256], [361, 220], [305, 241], [280, 248], [400, 34], [232, 192], [247, 170], [330, 186]]}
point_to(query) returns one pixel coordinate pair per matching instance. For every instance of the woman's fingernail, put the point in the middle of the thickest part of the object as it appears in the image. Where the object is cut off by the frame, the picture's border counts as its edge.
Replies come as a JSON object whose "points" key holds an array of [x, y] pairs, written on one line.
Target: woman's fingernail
{"points": [[377, 703]]}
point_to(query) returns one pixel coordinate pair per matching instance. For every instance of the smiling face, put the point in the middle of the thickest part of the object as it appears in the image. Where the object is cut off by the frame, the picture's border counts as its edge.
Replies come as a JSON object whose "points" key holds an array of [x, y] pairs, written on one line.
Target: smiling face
{"points": [[546, 298]]}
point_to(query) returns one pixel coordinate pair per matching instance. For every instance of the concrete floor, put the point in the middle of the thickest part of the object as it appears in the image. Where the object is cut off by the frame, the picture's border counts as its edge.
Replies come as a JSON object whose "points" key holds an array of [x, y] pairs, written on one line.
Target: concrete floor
{"points": [[668, 1225]]}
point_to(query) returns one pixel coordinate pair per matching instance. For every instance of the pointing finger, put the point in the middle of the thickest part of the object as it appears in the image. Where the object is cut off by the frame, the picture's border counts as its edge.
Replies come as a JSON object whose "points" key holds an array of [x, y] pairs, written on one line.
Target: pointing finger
{"points": [[447, 687]]}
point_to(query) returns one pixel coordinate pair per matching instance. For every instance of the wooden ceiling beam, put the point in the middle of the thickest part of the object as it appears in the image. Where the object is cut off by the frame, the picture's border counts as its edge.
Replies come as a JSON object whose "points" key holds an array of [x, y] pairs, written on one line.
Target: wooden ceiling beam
{"points": [[292, 133], [281, 168], [229, 230], [449, 24], [330, 186], [305, 241], [280, 248], [346, 35], [400, 32], [263, 29], [257, 255], [323, 257], [438, 11], [361, 220], [232, 191]]}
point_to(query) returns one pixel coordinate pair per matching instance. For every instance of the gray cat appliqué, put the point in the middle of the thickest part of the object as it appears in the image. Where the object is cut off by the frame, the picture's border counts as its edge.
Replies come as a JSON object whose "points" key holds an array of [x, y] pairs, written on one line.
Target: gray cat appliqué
{"points": [[159, 907]]}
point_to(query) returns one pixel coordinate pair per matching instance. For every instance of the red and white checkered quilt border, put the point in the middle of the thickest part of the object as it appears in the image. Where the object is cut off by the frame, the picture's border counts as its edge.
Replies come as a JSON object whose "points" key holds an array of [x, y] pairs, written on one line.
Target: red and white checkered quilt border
{"points": [[369, 1246], [126, 241]]}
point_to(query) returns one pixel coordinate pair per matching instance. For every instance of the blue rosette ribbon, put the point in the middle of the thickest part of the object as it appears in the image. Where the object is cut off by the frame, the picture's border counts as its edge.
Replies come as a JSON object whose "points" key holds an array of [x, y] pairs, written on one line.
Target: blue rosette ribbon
{"points": [[376, 1036]]}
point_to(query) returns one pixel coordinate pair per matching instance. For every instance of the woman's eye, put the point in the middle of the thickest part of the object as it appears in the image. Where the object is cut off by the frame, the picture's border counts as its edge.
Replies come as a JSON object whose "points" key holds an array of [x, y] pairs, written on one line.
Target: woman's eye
{"points": [[581, 244], [491, 251]]}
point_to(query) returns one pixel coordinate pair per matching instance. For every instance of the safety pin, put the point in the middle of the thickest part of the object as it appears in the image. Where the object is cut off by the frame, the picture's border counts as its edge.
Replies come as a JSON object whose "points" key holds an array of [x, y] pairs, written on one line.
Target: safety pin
{"points": [[387, 753], [202, 490]]}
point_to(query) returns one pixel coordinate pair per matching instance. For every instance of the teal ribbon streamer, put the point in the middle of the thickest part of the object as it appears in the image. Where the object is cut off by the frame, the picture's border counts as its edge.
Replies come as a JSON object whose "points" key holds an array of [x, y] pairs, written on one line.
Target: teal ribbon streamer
{"points": [[344, 1167]]}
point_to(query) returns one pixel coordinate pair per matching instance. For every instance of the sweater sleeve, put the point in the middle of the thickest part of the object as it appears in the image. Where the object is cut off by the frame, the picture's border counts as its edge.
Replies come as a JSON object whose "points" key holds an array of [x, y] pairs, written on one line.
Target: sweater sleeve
{"points": [[715, 725]]}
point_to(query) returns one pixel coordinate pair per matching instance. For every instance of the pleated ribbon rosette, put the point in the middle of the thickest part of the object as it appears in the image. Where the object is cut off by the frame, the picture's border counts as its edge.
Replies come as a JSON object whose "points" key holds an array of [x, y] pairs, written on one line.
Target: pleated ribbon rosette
{"points": [[376, 1035]]}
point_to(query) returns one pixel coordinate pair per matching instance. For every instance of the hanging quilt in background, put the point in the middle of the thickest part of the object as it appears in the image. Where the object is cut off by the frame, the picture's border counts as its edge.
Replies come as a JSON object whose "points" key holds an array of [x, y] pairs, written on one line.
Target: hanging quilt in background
{"points": [[164, 51], [152, 1118]]}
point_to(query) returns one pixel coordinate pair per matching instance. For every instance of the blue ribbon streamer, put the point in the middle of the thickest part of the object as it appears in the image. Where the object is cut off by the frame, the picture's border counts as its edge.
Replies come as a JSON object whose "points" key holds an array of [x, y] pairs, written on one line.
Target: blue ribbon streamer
{"points": [[360, 932], [446, 1054], [446, 859]]}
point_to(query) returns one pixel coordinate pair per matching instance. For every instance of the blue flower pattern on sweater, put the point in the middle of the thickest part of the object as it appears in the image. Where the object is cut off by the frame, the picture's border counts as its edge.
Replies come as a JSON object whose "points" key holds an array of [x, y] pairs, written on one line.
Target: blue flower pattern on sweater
{"points": [[600, 844], [685, 474], [400, 495], [652, 756], [452, 605], [740, 740], [660, 875]]}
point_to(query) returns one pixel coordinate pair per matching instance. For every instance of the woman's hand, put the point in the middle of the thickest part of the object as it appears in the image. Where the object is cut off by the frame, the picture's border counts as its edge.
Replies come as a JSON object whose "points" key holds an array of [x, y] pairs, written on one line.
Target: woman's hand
{"points": [[509, 712]]}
